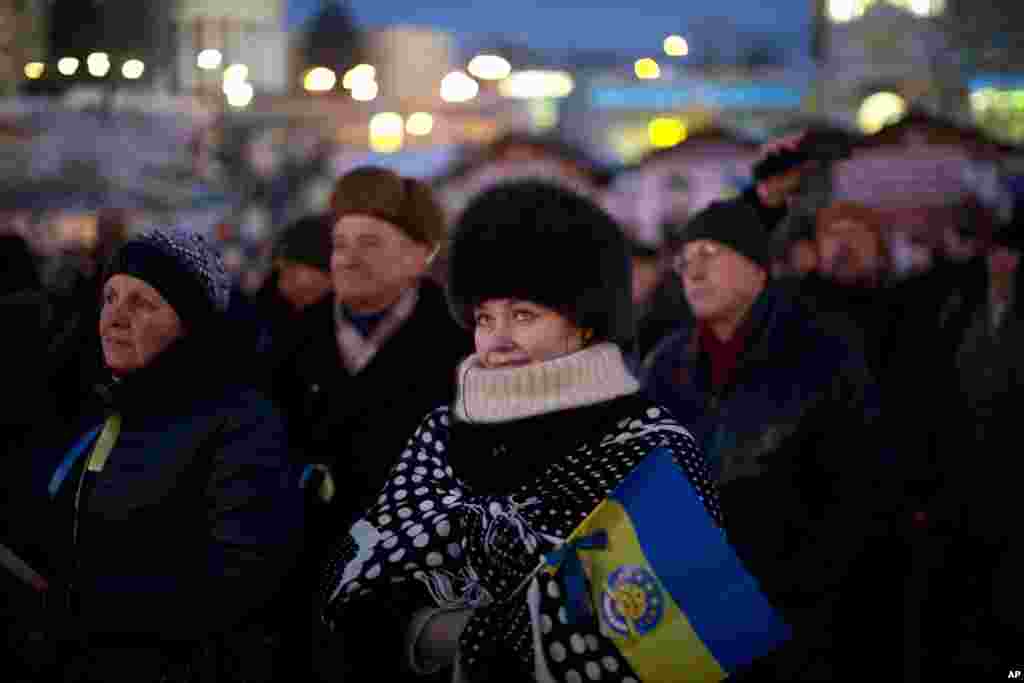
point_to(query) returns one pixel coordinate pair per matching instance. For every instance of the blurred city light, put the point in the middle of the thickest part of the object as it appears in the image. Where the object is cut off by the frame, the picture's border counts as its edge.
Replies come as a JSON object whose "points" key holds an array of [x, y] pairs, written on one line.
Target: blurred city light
{"points": [[359, 74], [239, 93], [98, 64], [676, 46], [666, 132], [319, 79], [209, 59], [419, 123], [646, 68], [489, 67], [34, 70], [458, 87], [842, 11], [133, 69], [67, 66], [543, 112], [236, 73], [880, 110], [365, 91], [386, 132], [530, 84]]}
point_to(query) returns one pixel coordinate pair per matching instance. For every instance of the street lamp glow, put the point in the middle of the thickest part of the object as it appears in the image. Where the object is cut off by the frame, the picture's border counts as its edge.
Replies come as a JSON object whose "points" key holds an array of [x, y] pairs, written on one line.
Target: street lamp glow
{"points": [[666, 132], [386, 132], [842, 11], [34, 70], [365, 91], [458, 87], [489, 67], [239, 93], [236, 73], [209, 59], [67, 66], [531, 84], [419, 123], [880, 110], [646, 68], [98, 64], [360, 73], [922, 8], [133, 69], [319, 79], [676, 46]]}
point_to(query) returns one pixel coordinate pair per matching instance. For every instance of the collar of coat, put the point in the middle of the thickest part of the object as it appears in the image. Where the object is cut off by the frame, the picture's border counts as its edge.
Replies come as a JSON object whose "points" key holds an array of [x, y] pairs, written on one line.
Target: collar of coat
{"points": [[357, 350]]}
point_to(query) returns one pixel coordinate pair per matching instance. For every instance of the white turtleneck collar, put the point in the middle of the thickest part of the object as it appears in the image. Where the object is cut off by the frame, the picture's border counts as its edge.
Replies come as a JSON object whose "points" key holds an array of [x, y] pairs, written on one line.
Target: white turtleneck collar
{"points": [[593, 375]]}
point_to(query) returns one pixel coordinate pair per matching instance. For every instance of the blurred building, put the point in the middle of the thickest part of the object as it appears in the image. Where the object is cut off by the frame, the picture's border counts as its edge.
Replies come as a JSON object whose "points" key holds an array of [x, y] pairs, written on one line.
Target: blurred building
{"points": [[622, 118], [880, 58], [227, 32], [22, 40]]}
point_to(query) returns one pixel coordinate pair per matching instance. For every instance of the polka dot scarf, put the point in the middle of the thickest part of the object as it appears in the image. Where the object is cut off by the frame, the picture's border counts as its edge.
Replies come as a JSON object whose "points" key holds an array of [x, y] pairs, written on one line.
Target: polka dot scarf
{"points": [[479, 547]]}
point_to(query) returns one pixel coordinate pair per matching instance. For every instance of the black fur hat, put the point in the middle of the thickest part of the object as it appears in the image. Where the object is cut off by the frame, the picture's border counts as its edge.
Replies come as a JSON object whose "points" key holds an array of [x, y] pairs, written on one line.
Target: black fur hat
{"points": [[537, 242]]}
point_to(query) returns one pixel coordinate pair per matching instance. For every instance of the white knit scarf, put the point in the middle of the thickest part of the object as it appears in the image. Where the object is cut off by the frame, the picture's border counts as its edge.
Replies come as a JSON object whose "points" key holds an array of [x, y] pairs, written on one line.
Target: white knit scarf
{"points": [[593, 375]]}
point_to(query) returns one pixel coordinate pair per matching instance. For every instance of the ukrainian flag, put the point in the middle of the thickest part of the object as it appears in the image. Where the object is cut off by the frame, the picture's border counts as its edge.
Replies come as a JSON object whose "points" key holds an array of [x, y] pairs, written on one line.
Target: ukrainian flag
{"points": [[664, 584]]}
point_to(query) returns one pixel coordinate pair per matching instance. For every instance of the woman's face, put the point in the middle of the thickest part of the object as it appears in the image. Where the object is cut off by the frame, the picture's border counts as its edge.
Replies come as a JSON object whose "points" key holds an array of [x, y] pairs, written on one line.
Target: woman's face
{"points": [[511, 332], [136, 324]]}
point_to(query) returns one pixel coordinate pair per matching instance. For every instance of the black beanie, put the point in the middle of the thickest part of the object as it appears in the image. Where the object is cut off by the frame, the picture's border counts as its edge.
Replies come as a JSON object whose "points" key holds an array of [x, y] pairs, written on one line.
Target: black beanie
{"points": [[735, 224], [538, 242], [307, 241], [180, 265]]}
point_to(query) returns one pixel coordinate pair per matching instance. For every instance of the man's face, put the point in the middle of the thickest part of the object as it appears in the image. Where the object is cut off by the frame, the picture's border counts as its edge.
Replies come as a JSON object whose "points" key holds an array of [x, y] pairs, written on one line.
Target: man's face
{"points": [[849, 251], [302, 285], [720, 283], [373, 261]]}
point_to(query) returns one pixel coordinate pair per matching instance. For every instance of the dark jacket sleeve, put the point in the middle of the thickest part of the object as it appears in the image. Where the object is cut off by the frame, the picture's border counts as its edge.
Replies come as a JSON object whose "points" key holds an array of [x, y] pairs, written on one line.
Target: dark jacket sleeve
{"points": [[255, 518], [843, 465]]}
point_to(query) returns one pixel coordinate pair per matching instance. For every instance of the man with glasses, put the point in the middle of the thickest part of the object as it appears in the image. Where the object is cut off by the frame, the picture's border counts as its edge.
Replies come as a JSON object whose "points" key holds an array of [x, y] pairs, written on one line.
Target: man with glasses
{"points": [[784, 410]]}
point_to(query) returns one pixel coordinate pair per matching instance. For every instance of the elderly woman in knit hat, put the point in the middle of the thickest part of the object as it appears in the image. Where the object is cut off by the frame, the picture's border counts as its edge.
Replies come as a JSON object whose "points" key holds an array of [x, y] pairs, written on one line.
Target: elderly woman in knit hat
{"points": [[546, 427], [164, 510]]}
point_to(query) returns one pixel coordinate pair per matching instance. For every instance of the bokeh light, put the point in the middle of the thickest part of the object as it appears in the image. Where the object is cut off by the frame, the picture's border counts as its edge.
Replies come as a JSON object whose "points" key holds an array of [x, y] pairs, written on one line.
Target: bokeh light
{"points": [[489, 67], [458, 87], [419, 123]]}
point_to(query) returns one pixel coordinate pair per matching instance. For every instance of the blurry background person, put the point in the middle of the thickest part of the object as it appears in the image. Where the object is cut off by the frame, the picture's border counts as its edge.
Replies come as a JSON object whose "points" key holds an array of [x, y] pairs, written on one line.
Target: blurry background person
{"points": [[164, 495], [658, 298], [976, 561], [300, 278], [18, 268]]}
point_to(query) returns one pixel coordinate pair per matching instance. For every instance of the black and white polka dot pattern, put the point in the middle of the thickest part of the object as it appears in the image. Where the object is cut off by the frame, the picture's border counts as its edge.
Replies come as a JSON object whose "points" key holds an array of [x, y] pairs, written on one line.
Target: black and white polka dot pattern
{"points": [[482, 552]]}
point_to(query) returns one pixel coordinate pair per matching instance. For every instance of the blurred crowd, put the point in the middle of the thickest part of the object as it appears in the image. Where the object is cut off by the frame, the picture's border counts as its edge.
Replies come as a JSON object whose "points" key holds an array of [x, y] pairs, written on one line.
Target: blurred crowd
{"points": [[358, 462]]}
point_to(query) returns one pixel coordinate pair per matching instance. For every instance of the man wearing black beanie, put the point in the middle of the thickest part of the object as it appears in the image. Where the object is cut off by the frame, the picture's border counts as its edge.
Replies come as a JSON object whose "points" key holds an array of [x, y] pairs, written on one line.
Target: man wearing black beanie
{"points": [[784, 410]]}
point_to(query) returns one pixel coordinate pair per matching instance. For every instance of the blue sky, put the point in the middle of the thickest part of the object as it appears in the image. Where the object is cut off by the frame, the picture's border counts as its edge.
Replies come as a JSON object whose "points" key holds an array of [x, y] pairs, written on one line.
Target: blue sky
{"points": [[597, 24]]}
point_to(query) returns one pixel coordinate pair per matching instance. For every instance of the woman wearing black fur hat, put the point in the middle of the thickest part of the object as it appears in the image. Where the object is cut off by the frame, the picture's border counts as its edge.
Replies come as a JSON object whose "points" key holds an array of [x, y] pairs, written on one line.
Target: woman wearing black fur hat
{"points": [[546, 424]]}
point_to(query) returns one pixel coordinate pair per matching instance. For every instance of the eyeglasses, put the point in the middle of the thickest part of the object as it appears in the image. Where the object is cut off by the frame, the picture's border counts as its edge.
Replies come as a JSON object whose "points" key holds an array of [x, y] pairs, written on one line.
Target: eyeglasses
{"points": [[699, 252]]}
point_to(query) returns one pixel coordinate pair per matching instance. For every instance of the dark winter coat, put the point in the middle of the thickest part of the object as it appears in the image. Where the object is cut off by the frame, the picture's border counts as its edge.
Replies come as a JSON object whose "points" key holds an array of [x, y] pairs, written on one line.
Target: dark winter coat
{"points": [[182, 538], [358, 424], [791, 439]]}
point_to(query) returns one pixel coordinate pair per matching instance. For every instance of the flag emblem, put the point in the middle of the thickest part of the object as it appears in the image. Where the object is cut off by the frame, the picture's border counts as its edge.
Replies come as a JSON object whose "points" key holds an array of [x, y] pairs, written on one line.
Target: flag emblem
{"points": [[632, 602]]}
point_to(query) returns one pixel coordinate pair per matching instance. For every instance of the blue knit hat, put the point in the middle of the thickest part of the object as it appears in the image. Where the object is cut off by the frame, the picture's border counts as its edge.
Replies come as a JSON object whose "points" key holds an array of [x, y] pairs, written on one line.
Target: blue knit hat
{"points": [[182, 266]]}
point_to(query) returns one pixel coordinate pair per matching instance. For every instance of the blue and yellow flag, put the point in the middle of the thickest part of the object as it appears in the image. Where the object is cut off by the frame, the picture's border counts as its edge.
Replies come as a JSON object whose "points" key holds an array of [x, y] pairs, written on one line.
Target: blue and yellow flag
{"points": [[664, 583]]}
